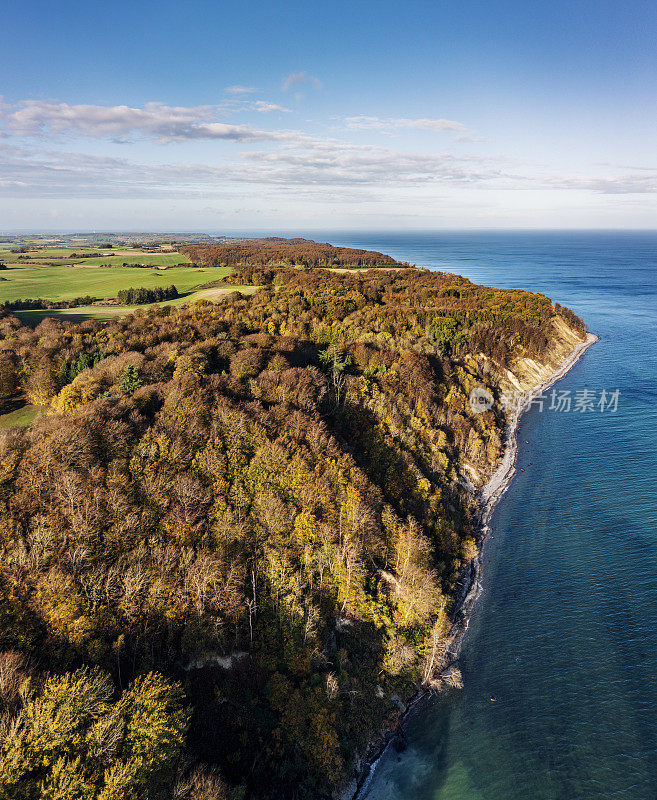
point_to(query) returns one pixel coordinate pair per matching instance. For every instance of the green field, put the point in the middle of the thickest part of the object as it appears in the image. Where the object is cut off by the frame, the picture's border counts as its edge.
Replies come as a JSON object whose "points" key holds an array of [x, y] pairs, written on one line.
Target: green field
{"points": [[162, 258], [46, 254], [51, 274], [80, 313], [20, 416], [97, 240], [67, 282], [135, 257], [43, 255]]}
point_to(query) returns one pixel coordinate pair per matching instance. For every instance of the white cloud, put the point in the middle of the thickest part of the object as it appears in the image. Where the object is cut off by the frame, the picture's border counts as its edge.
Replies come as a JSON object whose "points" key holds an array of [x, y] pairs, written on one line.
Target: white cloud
{"points": [[284, 161], [299, 78], [334, 162], [621, 184], [155, 120], [315, 165], [296, 164], [264, 107], [32, 117], [363, 122], [241, 89]]}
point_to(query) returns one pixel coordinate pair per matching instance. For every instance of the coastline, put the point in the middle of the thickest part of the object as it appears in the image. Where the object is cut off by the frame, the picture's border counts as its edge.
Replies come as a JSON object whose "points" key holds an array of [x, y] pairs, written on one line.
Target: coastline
{"points": [[493, 490], [489, 495]]}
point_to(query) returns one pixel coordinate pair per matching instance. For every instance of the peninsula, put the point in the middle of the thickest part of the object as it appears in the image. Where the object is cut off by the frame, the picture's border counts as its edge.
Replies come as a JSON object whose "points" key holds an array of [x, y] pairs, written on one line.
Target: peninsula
{"points": [[244, 531]]}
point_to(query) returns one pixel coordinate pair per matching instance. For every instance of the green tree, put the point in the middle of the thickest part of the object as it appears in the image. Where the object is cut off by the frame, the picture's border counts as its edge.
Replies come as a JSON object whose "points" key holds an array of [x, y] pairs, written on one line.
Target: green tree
{"points": [[129, 381]]}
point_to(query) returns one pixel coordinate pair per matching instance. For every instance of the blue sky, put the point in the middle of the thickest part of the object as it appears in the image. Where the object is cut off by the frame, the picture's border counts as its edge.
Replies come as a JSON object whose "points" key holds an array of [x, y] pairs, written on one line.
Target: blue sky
{"points": [[287, 115]]}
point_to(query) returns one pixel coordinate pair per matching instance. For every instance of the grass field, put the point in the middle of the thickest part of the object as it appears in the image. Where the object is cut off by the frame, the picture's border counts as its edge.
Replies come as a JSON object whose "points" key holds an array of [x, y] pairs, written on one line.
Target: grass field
{"points": [[80, 313], [162, 258], [99, 240], [67, 282], [136, 257], [20, 416], [44, 254], [51, 274]]}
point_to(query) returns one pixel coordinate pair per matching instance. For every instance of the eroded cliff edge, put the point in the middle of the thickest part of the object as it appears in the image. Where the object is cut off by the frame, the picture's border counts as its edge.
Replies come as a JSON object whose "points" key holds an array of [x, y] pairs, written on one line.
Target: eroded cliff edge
{"points": [[514, 387]]}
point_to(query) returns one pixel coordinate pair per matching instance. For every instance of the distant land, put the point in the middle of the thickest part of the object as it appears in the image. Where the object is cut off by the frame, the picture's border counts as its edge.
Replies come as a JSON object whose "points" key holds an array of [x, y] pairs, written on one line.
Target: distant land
{"points": [[126, 239]]}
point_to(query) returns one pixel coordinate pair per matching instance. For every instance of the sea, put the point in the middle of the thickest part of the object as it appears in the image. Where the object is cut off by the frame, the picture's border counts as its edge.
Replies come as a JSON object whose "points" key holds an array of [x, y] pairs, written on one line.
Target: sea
{"points": [[560, 659]]}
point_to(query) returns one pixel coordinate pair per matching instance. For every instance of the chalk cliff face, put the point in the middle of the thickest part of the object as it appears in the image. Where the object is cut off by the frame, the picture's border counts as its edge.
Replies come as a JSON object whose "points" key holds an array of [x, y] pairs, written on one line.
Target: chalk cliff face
{"points": [[272, 499], [528, 372], [510, 383]]}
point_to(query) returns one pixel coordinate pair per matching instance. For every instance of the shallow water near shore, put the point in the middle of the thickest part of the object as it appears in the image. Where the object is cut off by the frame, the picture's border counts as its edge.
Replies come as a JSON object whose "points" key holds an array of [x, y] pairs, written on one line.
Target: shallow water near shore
{"points": [[564, 634]]}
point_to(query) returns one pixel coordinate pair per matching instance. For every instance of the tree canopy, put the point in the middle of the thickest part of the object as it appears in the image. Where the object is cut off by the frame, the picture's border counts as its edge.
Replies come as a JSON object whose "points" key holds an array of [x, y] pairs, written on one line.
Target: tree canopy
{"points": [[259, 500], [277, 252]]}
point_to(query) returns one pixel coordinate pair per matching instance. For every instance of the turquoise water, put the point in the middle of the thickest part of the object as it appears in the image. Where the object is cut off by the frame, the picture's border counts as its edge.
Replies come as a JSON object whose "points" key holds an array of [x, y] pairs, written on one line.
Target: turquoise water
{"points": [[564, 635]]}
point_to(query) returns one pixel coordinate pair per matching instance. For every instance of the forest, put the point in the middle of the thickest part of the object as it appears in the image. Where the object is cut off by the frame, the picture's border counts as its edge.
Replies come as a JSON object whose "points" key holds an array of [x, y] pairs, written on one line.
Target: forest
{"points": [[283, 252], [235, 537], [140, 296]]}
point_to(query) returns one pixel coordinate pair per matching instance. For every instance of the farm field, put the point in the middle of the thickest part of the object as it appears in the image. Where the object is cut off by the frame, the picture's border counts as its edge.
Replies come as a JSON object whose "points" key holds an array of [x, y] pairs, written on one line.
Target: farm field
{"points": [[43, 254], [66, 281], [50, 273], [80, 313], [162, 259], [93, 256]]}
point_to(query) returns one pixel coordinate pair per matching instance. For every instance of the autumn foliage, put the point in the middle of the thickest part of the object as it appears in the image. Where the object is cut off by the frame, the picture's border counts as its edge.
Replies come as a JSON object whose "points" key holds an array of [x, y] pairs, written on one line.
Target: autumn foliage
{"points": [[259, 501], [277, 252]]}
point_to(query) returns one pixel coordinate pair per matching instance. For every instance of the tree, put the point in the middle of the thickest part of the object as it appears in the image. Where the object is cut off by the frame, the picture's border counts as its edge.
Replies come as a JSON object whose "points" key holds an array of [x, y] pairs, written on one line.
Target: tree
{"points": [[129, 381], [336, 363], [73, 743], [8, 376], [155, 728], [41, 385]]}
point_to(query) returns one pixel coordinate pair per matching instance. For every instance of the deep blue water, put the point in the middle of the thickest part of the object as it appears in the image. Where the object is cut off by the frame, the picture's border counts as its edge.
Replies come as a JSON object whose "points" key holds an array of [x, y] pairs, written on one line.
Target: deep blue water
{"points": [[564, 635]]}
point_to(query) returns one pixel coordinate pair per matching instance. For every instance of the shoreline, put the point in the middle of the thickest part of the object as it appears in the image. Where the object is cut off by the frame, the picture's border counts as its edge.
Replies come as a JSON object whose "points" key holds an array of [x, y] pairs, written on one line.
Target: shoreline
{"points": [[494, 489], [489, 496]]}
